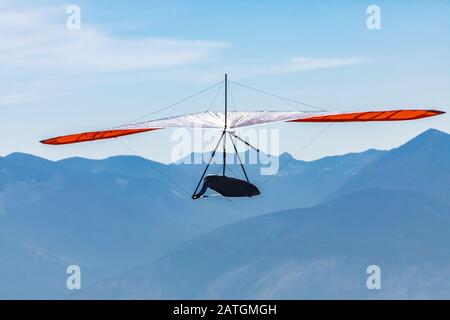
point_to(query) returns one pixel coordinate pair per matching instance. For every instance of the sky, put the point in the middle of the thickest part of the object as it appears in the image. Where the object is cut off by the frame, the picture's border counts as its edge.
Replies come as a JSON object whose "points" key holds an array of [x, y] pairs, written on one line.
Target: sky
{"points": [[132, 58]]}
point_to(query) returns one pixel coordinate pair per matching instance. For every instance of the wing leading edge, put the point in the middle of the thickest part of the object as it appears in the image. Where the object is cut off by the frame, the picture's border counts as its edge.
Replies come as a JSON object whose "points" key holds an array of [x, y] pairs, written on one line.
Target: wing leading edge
{"points": [[93, 135], [238, 119], [392, 115]]}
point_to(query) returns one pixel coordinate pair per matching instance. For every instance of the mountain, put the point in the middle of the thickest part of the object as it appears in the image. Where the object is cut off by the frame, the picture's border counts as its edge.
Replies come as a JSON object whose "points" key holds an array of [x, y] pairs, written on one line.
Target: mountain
{"points": [[318, 252], [322, 251], [303, 184], [114, 214], [105, 221], [422, 165]]}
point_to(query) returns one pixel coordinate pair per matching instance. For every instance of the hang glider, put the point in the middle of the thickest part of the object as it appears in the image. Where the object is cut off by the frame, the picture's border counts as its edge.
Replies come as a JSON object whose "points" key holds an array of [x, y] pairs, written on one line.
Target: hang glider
{"points": [[240, 119], [228, 122]]}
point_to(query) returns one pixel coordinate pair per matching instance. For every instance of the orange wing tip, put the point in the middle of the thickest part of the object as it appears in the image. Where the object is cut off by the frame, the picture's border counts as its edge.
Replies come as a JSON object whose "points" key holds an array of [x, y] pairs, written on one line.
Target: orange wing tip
{"points": [[93, 135], [393, 115]]}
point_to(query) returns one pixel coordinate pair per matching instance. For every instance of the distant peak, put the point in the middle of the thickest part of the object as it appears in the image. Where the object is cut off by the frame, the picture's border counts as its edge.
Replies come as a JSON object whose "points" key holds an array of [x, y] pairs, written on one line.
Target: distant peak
{"points": [[24, 156], [433, 132], [430, 141], [430, 135], [27, 160], [285, 156]]}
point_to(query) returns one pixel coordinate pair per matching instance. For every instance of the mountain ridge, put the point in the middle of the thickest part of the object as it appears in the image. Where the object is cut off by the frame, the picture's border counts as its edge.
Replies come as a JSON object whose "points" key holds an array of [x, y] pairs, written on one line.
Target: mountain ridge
{"points": [[109, 216], [226, 262]]}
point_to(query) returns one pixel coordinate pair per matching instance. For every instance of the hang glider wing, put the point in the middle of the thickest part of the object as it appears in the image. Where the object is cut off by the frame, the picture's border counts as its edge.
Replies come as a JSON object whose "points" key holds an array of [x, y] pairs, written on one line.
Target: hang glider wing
{"points": [[238, 119], [93, 135], [245, 119], [391, 115]]}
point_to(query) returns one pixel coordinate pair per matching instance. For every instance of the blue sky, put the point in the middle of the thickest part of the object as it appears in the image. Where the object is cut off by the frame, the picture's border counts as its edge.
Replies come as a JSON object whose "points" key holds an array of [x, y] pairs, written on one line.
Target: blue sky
{"points": [[131, 58]]}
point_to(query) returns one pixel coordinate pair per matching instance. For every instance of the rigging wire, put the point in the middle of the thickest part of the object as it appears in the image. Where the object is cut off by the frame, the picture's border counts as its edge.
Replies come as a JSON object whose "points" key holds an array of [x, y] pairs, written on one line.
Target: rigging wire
{"points": [[197, 171], [152, 166], [239, 158], [209, 163], [219, 90], [173, 104], [232, 98], [278, 96], [306, 145]]}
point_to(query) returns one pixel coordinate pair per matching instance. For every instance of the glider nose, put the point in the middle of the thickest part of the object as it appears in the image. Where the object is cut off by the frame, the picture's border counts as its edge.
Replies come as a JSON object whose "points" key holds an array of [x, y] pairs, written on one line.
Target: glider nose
{"points": [[255, 190]]}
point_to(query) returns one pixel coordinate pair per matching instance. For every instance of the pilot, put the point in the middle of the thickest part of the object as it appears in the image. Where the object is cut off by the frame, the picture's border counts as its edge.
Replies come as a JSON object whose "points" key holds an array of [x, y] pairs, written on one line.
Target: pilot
{"points": [[227, 187]]}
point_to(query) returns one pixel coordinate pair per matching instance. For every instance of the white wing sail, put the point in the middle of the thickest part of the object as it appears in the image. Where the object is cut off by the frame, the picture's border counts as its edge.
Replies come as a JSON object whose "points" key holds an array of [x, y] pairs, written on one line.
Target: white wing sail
{"points": [[241, 119]]}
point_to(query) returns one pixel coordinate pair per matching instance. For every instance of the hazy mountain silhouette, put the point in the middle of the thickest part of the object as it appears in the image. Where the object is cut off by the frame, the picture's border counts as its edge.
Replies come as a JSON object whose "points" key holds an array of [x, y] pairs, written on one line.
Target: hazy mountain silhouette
{"points": [[114, 214], [318, 252], [421, 165]]}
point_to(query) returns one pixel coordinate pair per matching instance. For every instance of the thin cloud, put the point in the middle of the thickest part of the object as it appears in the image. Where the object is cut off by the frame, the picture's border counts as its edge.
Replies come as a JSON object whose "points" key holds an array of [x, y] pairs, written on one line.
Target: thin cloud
{"points": [[293, 65], [38, 39], [300, 64], [15, 98], [305, 63]]}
